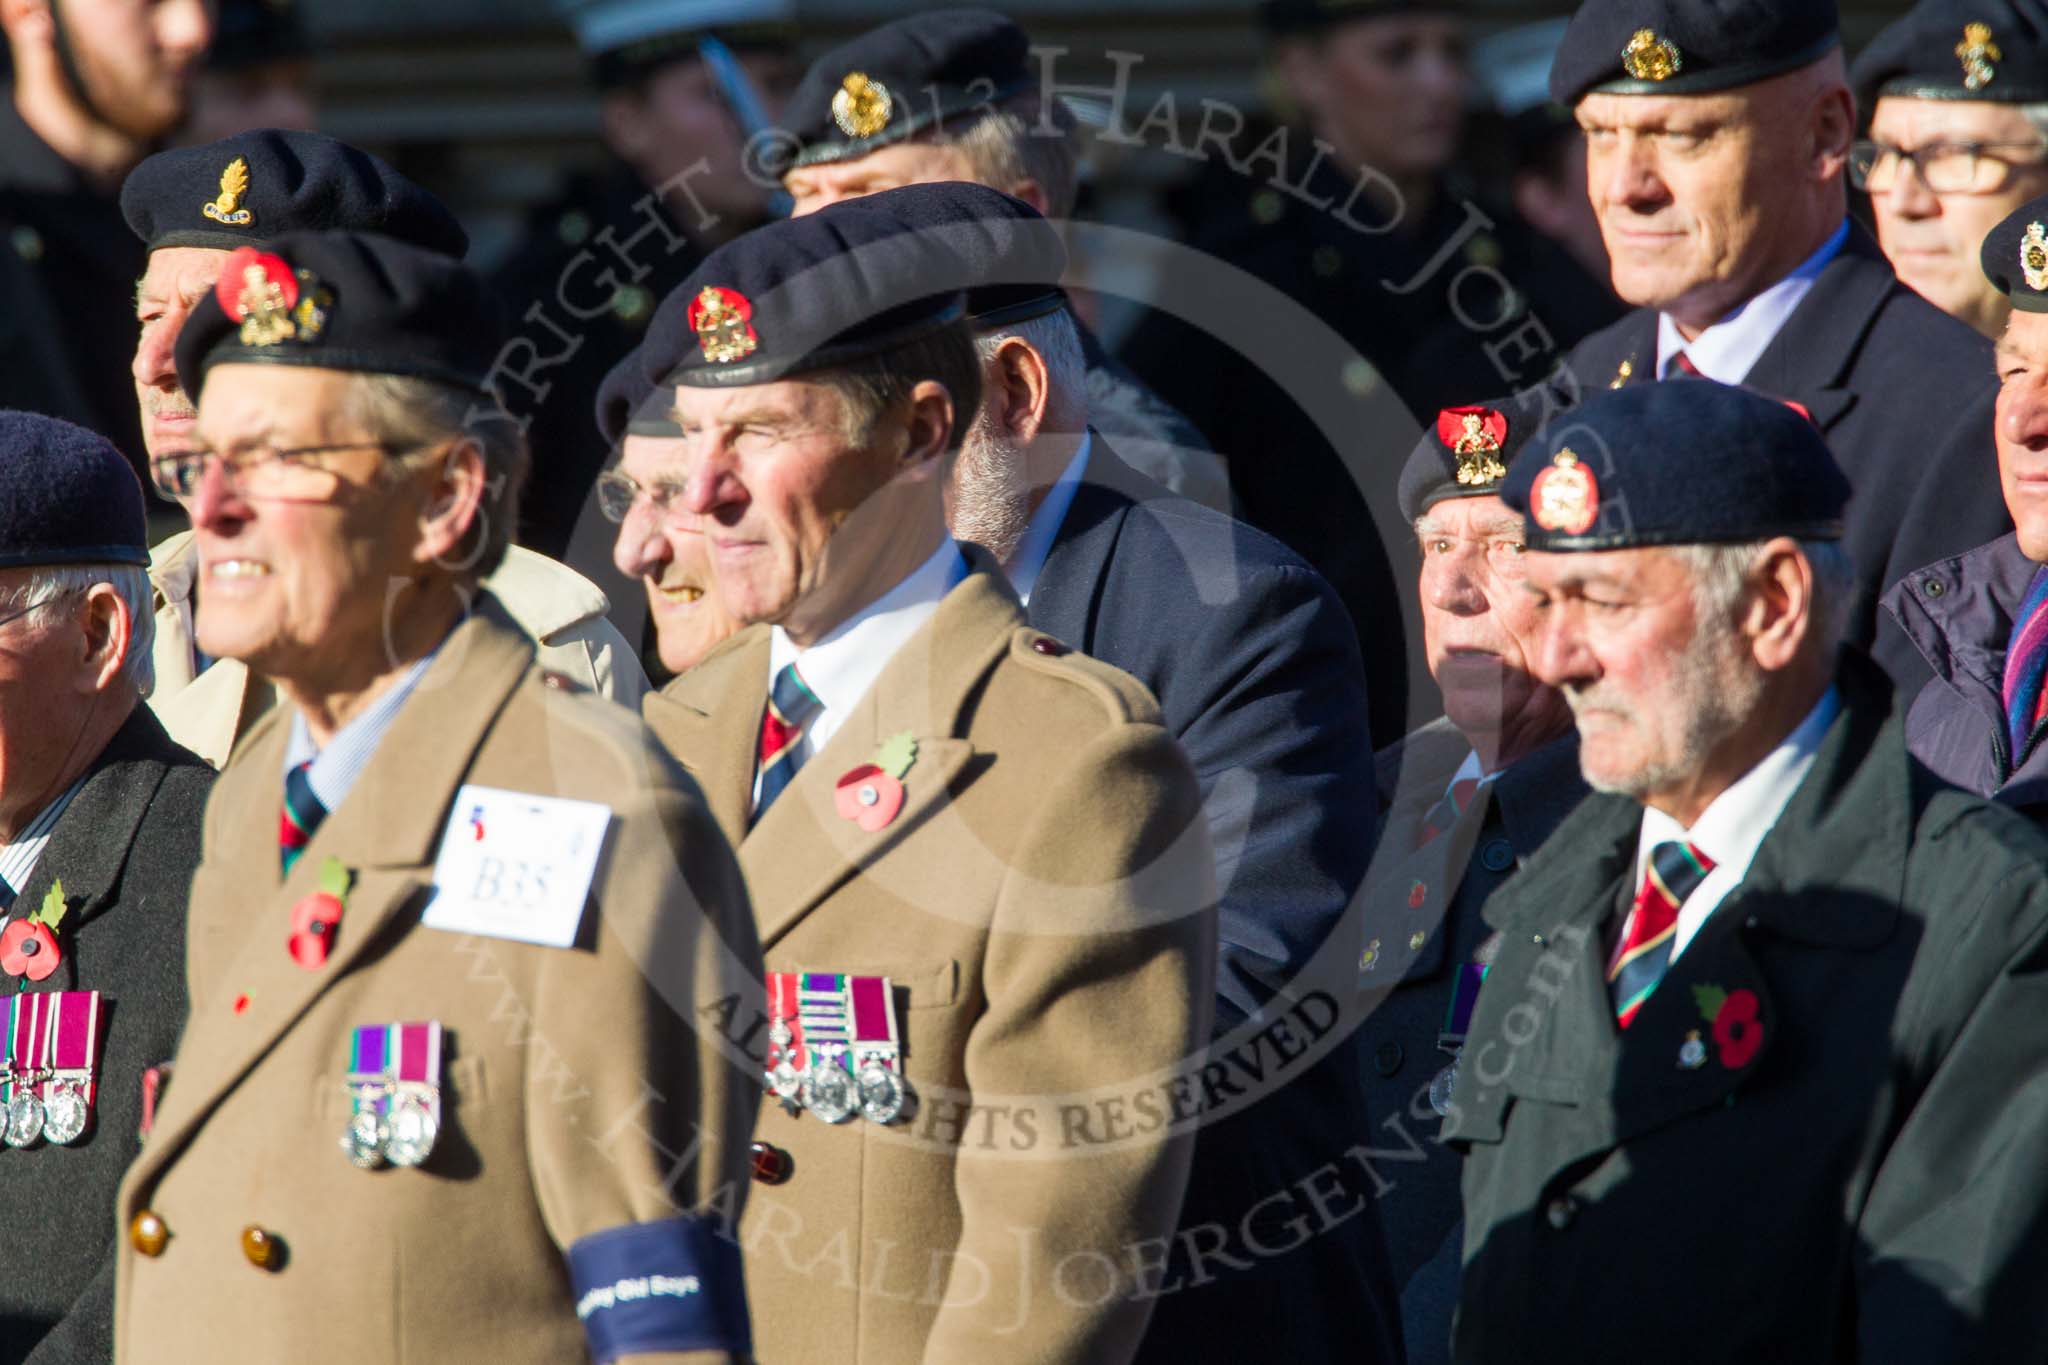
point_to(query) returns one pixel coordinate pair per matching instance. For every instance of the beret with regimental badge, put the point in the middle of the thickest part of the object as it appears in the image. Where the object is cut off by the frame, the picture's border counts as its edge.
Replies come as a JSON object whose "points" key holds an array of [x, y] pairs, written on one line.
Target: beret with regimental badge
{"points": [[898, 80], [1688, 462], [1465, 453], [2015, 256], [254, 187], [1958, 50], [850, 281], [351, 301], [1687, 47], [628, 40], [67, 496]]}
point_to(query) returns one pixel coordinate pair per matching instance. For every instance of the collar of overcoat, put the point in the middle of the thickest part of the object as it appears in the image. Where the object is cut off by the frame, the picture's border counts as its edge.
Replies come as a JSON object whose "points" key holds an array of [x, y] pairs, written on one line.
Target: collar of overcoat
{"points": [[802, 849], [386, 834]]}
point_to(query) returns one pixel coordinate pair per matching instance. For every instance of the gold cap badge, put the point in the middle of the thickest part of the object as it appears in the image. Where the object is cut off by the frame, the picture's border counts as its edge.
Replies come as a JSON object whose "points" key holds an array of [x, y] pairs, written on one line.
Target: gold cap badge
{"points": [[1565, 497], [861, 107], [226, 207], [1978, 52], [274, 302], [2034, 256], [1474, 436], [721, 319], [1650, 58]]}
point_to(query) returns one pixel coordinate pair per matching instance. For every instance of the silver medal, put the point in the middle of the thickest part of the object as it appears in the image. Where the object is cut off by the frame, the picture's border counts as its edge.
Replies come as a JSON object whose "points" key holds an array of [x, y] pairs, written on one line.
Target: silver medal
{"points": [[881, 1094], [412, 1130], [1440, 1087], [829, 1092], [363, 1141], [65, 1115], [24, 1119]]}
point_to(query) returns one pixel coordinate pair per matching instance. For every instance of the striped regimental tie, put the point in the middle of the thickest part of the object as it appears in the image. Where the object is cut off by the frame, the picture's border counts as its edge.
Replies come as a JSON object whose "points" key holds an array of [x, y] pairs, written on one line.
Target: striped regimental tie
{"points": [[1675, 872], [299, 817], [1444, 814], [791, 706]]}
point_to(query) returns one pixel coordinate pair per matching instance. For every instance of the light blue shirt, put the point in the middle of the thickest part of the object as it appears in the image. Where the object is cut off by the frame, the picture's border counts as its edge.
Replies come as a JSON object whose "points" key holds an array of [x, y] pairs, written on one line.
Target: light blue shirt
{"points": [[1044, 528], [336, 767], [1728, 350]]}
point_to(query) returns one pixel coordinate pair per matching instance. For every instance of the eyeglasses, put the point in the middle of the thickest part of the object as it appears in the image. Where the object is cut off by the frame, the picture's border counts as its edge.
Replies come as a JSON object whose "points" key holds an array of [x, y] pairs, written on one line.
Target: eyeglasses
{"points": [[49, 601], [1944, 167], [262, 472], [617, 492]]}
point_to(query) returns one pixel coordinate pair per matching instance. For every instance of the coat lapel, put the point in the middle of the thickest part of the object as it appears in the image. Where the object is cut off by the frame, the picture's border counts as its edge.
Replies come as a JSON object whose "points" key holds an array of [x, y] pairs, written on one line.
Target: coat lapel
{"points": [[1070, 582], [710, 720], [802, 849], [1809, 360], [386, 834]]}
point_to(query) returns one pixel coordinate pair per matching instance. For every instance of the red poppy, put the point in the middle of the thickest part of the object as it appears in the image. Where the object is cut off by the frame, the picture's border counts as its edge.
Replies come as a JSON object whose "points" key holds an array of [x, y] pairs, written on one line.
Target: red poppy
{"points": [[29, 949], [1738, 1032], [248, 270], [869, 797], [1417, 894], [314, 922]]}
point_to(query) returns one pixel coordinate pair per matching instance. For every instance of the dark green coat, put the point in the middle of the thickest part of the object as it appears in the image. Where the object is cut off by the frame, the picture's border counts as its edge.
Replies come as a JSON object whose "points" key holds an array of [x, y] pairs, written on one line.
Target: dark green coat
{"points": [[1869, 1183]]}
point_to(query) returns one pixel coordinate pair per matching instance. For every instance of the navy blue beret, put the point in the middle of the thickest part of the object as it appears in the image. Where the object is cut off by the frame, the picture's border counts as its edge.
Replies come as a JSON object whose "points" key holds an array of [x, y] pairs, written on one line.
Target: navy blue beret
{"points": [[1958, 50], [995, 246], [2014, 256], [1687, 47], [1284, 17], [1465, 453], [66, 496], [255, 187], [345, 301], [1685, 462], [895, 81]]}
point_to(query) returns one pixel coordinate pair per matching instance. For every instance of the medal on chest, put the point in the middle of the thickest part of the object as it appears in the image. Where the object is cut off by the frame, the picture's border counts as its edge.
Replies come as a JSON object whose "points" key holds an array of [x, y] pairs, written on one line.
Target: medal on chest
{"points": [[834, 1046], [394, 1088]]}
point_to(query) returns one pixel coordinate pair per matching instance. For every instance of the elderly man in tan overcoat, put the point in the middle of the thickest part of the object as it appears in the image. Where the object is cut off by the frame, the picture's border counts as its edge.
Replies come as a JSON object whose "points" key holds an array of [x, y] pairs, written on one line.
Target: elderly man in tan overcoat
{"points": [[978, 863], [440, 1096]]}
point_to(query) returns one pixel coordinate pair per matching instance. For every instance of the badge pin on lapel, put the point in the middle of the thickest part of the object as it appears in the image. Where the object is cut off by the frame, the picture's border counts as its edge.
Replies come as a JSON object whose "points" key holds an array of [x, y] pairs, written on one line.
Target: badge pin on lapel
{"points": [[29, 947], [872, 795], [317, 917]]}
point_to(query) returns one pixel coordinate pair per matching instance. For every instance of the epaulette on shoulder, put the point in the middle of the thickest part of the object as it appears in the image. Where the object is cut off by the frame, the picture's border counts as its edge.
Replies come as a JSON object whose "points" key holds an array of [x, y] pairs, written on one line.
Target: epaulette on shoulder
{"points": [[1123, 697]]}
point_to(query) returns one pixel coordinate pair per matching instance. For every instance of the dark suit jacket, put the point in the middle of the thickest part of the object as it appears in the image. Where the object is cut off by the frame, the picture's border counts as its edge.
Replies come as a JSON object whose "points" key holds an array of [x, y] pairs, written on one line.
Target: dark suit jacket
{"points": [[124, 848], [1904, 393], [1858, 1173], [1408, 989], [1257, 673]]}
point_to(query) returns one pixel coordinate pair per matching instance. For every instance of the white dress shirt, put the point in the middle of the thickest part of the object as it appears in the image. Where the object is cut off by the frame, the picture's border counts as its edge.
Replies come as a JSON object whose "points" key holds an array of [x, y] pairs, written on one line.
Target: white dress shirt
{"points": [[1733, 826], [840, 668], [337, 766], [1030, 554], [1727, 350], [18, 859]]}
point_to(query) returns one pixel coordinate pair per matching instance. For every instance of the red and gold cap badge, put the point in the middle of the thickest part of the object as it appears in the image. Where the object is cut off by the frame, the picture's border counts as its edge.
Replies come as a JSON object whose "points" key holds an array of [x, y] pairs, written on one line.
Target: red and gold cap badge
{"points": [[1979, 54], [720, 318], [1651, 58], [273, 302], [861, 105], [1475, 436], [1565, 497], [2034, 257]]}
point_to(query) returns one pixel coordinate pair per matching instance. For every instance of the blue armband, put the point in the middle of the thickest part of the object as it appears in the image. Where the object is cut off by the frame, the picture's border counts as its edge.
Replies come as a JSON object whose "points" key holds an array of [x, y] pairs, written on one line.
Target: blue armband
{"points": [[674, 1285]]}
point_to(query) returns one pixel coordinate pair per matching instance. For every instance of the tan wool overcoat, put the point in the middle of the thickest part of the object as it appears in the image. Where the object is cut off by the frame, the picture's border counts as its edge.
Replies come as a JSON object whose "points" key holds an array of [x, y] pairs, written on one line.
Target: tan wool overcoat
{"points": [[578, 1098], [1043, 906]]}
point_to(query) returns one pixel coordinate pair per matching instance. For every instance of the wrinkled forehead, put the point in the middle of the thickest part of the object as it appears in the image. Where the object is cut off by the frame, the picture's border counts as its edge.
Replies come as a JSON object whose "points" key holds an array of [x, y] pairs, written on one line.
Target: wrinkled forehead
{"points": [[1913, 121], [783, 404], [247, 402], [186, 270], [1485, 515], [1643, 568], [1654, 113]]}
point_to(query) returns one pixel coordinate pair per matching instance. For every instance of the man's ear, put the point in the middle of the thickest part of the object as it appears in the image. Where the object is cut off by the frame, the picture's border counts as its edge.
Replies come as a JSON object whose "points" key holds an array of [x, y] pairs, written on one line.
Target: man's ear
{"points": [[1032, 193], [454, 508], [107, 632], [1018, 388], [928, 429], [1780, 619], [1834, 129]]}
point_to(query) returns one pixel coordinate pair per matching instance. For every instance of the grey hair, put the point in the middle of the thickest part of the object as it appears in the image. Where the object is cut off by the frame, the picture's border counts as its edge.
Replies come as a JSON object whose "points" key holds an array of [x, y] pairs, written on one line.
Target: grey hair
{"points": [[49, 585], [1005, 147], [1720, 576], [875, 384], [1058, 343], [2037, 115], [411, 413]]}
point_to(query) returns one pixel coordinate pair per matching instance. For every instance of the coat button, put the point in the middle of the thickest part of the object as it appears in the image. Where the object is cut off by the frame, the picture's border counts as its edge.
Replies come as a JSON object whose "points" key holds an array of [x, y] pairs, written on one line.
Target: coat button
{"points": [[1934, 587], [260, 1247], [1389, 1058], [1560, 1212], [1048, 646], [771, 1164], [147, 1233], [1498, 855]]}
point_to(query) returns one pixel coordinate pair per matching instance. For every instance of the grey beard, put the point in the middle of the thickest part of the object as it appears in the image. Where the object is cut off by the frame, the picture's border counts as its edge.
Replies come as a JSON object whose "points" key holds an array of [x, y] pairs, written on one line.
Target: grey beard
{"points": [[991, 496]]}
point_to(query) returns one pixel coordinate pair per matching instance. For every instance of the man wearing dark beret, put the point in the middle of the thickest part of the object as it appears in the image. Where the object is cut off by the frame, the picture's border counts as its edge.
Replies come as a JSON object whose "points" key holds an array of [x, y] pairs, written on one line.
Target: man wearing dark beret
{"points": [[192, 207], [682, 87], [1756, 1073], [1469, 798], [1718, 134], [984, 887], [452, 916], [99, 833], [954, 94], [92, 87], [1981, 618], [1957, 97]]}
